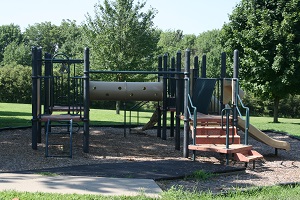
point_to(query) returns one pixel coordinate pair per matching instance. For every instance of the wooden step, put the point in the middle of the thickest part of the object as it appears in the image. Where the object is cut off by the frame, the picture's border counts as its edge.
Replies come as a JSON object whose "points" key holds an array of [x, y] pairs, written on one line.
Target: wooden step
{"points": [[213, 130], [248, 156], [221, 148], [45, 118], [207, 119], [216, 139]]}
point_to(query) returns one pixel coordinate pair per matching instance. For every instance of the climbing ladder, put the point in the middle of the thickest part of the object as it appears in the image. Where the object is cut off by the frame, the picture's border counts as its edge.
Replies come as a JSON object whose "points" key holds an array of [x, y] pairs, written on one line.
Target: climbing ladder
{"points": [[63, 128]]}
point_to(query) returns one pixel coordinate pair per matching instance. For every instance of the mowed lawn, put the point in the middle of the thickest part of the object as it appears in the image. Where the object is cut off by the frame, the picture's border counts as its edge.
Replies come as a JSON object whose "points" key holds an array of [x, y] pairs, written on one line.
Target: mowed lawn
{"points": [[19, 115]]}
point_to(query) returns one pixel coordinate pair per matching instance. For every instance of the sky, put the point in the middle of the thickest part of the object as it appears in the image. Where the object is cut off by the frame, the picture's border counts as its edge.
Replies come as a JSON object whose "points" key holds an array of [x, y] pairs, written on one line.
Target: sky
{"points": [[190, 16]]}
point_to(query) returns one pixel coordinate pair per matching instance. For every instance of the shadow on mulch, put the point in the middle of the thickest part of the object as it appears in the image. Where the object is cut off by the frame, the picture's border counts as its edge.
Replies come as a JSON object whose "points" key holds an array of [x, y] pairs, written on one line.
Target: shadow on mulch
{"points": [[156, 170]]}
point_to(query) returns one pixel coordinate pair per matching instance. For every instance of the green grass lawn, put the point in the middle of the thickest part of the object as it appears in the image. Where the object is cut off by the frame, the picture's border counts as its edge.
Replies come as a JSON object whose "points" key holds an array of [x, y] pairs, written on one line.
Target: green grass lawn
{"points": [[16, 115], [266, 193], [287, 125], [19, 115]]}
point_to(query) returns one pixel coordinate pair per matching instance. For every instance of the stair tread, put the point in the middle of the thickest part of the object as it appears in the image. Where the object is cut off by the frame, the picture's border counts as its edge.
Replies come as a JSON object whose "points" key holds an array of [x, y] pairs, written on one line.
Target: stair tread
{"points": [[221, 148], [216, 136]]}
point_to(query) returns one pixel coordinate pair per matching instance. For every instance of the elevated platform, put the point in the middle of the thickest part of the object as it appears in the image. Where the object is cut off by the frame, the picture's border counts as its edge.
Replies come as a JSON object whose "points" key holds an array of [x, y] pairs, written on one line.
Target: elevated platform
{"points": [[67, 108], [75, 118]]}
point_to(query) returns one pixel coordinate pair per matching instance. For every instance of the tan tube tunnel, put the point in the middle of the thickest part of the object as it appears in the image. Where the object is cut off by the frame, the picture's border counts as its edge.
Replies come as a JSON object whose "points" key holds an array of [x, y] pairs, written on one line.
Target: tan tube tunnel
{"points": [[126, 91]]}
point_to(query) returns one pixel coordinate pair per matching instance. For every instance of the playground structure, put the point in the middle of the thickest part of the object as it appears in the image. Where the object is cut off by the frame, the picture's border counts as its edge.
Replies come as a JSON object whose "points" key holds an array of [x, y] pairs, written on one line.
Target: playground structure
{"points": [[209, 107]]}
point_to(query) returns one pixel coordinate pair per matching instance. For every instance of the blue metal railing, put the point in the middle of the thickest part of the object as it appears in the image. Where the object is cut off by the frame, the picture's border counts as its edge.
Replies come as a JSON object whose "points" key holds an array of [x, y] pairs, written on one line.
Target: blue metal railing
{"points": [[238, 100], [194, 114]]}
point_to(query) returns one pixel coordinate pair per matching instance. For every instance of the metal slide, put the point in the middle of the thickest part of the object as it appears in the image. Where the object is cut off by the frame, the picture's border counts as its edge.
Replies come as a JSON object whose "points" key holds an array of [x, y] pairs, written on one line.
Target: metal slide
{"points": [[262, 137]]}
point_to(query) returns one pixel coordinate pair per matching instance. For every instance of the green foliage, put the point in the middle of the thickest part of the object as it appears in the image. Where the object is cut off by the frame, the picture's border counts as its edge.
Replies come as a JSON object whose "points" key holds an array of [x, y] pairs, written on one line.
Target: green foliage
{"points": [[289, 107], [200, 175], [73, 41], [170, 41], [17, 54], [267, 34], [9, 33], [15, 84], [121, 37], [208, 43], [45, 35]]}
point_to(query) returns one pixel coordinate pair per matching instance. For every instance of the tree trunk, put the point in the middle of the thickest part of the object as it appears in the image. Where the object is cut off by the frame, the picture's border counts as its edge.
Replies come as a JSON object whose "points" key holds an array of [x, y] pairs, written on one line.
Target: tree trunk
{"points": [[118, 107], [276, 106]]}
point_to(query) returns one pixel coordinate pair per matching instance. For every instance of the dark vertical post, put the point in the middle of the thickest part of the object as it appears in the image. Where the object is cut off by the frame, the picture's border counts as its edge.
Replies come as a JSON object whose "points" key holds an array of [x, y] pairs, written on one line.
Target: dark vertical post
{"points": [[172, 80], [178, 102], [223, 75], [172, 94], [47, 83], [234, 85], [86, 99], [158, 105], [196, 71], [34, 99], [39, 87], [203, 67], [165, 93], [186, 114]]}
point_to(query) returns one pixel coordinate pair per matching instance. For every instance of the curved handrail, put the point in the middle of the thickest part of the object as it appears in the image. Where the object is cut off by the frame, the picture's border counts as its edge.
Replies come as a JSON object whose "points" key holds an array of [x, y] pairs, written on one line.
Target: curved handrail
{"points": [[190, 104], [238, 99]]}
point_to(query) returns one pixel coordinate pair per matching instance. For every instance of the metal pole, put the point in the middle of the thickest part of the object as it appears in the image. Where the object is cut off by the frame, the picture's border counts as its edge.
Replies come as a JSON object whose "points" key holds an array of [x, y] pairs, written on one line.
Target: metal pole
{"points": [[39, 87], [158, 105], [234, 86], [47, 83], [172, 95], [86, 99], [203, 67], [186, 114], [223, 75], [34, 98], [165, 93], [196, 72], [178, 96]]}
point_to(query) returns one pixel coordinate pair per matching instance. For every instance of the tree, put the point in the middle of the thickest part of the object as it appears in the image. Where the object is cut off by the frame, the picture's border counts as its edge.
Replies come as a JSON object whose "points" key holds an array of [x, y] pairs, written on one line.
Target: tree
{"points": [[170, 41], [209, 43], [45, 35], [267, 34], [72, 39], [18, 54], [122, 37], [8, 34]]}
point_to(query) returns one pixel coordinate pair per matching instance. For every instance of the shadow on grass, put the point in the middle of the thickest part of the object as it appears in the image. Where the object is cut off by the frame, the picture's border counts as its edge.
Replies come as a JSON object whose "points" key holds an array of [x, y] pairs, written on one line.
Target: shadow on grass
{"points": [[8, 113]]}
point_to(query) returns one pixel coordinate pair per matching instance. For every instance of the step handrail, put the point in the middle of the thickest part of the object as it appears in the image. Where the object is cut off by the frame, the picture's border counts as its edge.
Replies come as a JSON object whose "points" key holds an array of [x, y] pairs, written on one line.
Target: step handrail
{"points": [[190, 104], [247, 123], [227, 113], [238, 99]]}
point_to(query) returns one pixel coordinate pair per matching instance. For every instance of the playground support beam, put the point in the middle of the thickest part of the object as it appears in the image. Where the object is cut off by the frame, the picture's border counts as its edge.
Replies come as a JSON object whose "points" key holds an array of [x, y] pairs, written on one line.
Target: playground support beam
{"points": [[158, 134], [178, 102], [39, 87], [47, 86], [223, 75], [185, 110], [86, 100], [34, 99], [165, 93], [203, 67], [234, 87], [171, 91]]}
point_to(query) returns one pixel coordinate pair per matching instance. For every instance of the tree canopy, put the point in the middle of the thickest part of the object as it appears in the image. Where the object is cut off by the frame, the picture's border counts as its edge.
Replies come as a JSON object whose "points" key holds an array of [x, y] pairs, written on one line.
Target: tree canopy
{"points": [[267, 34], [121, 36]]}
